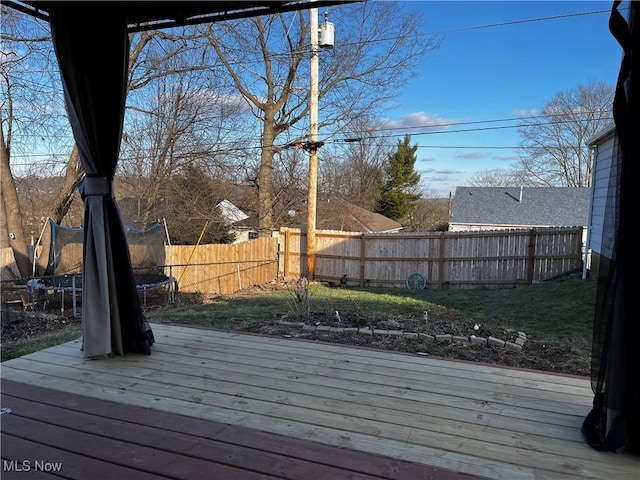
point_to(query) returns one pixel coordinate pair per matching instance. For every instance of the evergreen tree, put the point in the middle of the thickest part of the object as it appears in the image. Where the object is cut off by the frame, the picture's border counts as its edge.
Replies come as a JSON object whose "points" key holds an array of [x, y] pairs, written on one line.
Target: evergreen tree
{"points": [[398, 195]]}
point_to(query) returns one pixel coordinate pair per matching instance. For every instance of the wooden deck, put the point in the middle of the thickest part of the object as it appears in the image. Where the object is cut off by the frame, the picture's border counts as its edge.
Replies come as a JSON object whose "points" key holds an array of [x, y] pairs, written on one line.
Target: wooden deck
{"points": [[211, 404]]}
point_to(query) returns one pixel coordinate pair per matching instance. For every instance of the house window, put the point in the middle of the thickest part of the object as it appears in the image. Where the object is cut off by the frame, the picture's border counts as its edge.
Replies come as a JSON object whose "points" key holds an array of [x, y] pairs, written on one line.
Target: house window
{"points": [[253, 235]]}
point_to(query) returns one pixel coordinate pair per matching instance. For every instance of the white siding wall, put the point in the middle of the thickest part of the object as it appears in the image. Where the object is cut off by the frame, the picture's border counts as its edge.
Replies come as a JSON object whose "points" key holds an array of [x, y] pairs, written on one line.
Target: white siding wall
{"points": [[244, 235], [599, 240], [467, 227]]}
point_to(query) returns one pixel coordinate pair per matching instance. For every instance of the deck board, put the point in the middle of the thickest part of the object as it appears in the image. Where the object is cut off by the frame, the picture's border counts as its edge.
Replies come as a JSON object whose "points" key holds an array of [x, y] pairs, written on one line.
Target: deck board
{"points": [[76, 466], [363, 394], [115, 441], [254, 393], [230, 460], [474, 419]]}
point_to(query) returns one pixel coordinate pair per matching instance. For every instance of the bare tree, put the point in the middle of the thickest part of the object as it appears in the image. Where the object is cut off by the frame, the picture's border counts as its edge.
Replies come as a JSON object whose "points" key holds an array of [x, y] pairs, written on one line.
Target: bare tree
{"points": [[192, 209], [177, 115], [290, 181], [429, 215], [500, 177], [554, 147], [14, 235], [267, 58], [65, 196], [170, 84], [33, 119], [354, 170]]}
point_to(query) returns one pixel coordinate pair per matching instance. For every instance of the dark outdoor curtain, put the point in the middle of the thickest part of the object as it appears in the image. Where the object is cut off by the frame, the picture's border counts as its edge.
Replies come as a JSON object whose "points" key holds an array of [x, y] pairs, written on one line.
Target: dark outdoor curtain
{"points": [[614, 421], [92, 47]]}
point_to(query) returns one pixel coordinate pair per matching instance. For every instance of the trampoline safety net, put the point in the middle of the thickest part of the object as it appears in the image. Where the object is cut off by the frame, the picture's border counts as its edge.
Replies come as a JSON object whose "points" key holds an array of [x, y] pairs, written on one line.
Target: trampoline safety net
{"points": [[57, 262]]}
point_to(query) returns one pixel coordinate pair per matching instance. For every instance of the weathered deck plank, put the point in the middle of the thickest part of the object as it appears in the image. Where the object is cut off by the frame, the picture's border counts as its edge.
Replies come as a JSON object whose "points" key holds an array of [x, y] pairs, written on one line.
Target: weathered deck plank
{"points": [[76, 467], [92, 438]]}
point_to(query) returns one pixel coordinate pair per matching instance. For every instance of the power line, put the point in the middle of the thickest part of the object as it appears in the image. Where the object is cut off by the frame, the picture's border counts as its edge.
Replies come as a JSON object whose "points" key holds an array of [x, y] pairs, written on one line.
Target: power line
{"points": [[464, 29], [497, 120], [452, 30], [346, 140], [483, 147], [479, 27], [59, 165], [306, 47], [519, 22], [332, 141], [467, 130], [563, 116]]}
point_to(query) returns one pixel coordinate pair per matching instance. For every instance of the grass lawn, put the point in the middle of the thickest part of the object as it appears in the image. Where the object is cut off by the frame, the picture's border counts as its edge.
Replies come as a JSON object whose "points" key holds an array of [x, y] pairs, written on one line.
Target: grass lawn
{"points": [[559, 309], [24, 346], [557, 317]]}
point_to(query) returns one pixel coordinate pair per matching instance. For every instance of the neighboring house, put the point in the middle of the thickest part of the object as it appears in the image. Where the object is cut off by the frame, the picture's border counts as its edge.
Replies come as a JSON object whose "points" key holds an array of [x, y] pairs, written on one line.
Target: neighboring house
{"points": [[496, 208], [331, 214], [601, 236], [499, 208], [337, 214], [230, 213], [238, 221]]}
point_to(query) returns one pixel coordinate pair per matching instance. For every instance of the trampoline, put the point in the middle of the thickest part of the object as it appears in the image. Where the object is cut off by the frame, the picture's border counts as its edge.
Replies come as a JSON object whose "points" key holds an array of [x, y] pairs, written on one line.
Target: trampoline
{"points": [[57, 263]]}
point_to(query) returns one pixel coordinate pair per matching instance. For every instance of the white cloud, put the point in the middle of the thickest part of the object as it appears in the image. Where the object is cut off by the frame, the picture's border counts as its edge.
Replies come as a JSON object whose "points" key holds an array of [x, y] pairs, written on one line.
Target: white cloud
{"points": [[435, 171], [232, 102], [508, 158], [418, 119], [470, 155], [526, 112]]}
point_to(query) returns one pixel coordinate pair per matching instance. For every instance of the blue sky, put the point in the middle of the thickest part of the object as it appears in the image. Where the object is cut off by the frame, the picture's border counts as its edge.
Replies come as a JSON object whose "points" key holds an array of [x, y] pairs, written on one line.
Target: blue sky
{"points": [[484, 71], [499, 72]]}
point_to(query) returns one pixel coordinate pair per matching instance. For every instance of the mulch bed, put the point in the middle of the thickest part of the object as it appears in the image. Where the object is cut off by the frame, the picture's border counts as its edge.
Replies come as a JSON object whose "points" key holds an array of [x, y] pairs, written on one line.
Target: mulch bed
{"points": [[19, 324]]}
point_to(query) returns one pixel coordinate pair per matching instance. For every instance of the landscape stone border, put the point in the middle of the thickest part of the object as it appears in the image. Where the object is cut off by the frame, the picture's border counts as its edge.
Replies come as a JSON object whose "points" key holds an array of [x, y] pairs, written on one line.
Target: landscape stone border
{"points": [[517, 344]]}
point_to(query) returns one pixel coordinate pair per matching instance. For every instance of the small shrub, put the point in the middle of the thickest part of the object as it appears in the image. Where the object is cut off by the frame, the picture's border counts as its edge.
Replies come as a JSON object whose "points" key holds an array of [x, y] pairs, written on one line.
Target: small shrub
{"points": [[361, 319], [300, 302]]}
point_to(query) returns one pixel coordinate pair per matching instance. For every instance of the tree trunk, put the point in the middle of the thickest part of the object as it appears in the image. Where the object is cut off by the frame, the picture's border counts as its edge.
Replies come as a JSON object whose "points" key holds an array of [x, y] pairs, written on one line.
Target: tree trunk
{"points": [[72, 178], [265, 178], [4, 229], [11, 208]]}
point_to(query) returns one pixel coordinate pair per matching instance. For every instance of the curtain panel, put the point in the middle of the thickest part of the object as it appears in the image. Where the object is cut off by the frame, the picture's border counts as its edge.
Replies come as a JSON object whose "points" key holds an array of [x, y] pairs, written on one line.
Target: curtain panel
{"points": [[93, 59]]}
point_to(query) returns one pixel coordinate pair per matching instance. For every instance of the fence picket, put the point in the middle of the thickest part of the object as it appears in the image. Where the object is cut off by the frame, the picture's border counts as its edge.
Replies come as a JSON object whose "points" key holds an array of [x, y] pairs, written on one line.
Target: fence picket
{"points": [[448, 259]]}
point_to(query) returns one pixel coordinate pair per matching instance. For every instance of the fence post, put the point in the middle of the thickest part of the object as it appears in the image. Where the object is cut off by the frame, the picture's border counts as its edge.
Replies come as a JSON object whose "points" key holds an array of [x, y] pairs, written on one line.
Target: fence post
{"points": [[363, 259], [441, 262], [531, 256], [287, 241]]}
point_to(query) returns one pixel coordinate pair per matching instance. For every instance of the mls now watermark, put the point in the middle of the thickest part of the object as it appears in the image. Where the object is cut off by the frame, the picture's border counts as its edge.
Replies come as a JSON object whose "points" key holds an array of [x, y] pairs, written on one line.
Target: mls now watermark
{"points": [[30, 466]]}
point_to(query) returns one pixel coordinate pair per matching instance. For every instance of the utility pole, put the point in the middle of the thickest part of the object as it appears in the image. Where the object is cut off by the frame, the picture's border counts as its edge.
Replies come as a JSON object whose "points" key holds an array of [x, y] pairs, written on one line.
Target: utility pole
{"points": [[313, 153]]}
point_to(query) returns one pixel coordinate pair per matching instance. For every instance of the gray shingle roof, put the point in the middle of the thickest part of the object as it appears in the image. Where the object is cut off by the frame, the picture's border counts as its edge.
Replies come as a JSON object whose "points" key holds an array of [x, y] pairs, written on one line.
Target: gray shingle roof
{"points": [[526, 206], [338, 214]]}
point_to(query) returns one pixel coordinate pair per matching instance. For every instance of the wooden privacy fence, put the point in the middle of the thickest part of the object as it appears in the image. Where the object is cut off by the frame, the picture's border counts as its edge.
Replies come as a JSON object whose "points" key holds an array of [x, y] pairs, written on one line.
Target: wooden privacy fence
{"points": [[223, 269], [447, 259], [8, 267]]}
